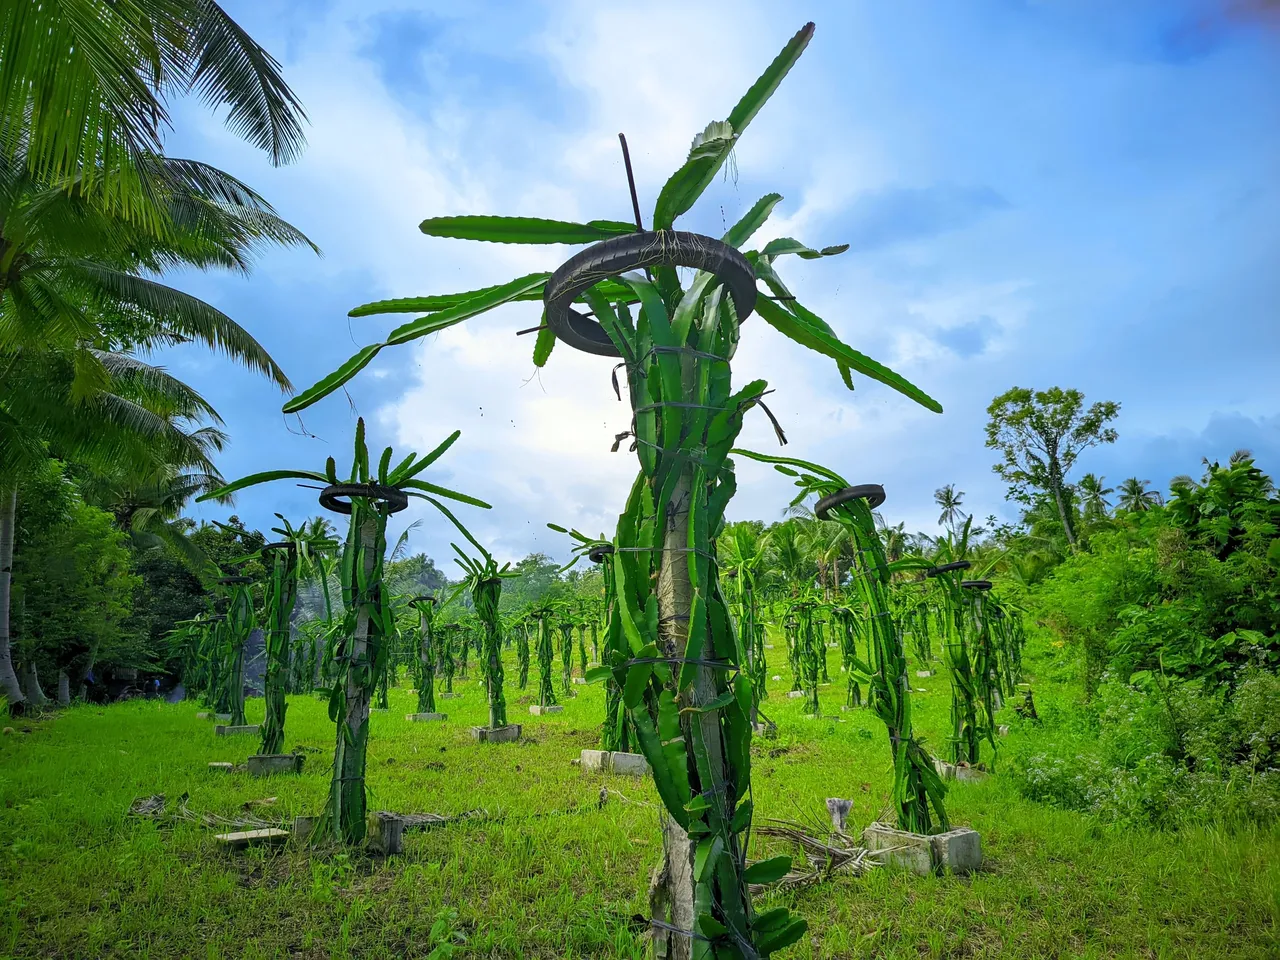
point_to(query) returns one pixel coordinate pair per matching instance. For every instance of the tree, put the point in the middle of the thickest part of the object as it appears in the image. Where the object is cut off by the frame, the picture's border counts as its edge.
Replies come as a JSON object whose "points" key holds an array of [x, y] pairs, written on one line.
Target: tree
{"points": [[1093, 496], [1040, 434], [949, 500], [76, 585], [84, 89], [894, 537], [139, 418], [1135, 497], [88, 206]]}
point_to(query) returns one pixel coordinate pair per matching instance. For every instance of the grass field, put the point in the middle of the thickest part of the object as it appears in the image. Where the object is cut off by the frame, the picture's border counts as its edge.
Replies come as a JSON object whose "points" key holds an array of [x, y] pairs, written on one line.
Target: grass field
{"points": [[553, 871]]}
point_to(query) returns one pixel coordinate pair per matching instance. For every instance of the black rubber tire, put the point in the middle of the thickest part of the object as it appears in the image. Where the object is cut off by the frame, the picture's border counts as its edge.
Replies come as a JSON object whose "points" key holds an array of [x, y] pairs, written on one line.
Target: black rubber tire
{"points": [[617, 255], [599, 551], [948, 567], [873, 493], [976, 584], [425, 598], [396, 500]]}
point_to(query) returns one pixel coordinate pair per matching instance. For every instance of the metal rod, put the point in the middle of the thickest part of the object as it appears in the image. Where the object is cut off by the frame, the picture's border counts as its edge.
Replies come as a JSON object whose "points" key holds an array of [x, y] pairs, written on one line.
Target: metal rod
{"points": [[631, 182]]}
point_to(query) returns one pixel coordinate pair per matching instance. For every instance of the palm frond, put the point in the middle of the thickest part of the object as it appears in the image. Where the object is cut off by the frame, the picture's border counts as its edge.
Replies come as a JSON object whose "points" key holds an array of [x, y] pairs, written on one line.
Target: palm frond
{"points": [[176, 311], [231, 70]]}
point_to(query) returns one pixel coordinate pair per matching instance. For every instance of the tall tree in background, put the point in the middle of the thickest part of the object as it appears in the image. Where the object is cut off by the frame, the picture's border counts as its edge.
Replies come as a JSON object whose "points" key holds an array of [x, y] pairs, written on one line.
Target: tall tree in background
{"points": [[1135, 497], [949, 501], [1093, 496], [1040, 434]]}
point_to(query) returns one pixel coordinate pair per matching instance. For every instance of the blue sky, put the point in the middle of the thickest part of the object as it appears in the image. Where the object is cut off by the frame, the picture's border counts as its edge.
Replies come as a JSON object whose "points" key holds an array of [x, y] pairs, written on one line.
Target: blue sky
{"points": [[1035, 193]]}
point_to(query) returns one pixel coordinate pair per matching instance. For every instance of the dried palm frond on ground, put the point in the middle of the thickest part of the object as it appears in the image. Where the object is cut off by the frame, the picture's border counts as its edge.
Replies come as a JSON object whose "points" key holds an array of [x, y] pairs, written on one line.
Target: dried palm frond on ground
{"points": [[154, 808], [823, 859]]}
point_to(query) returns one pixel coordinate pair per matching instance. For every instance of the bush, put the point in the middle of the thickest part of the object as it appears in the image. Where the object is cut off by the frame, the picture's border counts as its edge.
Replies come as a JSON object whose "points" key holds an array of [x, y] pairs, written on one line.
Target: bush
{"points": [[1165, 754]]}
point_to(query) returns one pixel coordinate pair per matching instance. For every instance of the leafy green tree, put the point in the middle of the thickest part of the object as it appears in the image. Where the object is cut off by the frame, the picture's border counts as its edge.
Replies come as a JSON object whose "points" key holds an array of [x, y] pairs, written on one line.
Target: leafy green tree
{"points": [[1040, 434], [141, 419], [168, 592], [76, 587]]}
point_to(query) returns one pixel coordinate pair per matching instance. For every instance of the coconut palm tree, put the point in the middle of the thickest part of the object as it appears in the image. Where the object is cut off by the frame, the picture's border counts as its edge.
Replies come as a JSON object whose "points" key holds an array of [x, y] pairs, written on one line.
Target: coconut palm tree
{"points": [[1093, 496], [73, 294], [896, 540], [949, 499], [141, 419], [791, 566], [85, 90], [1135, 497], [75, 276]]}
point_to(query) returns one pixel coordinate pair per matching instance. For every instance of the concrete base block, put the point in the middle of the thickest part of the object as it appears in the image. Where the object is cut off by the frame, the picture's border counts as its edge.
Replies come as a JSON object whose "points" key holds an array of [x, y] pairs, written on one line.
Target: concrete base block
{"points": [[204, 715], [386, 834], [497, 734], [540, 711], [448, 696], [1003, 730], [265, 764], [221, 767], [620, 764], [425, 717], [912, 851], [767, 730], [959, 850], [628, 764], [768, 646], [222, 717], [225, 731], [924, 673], [303, 827], [959, 771], [580, 680], [794, 694], [252, 838], [377, 709]]}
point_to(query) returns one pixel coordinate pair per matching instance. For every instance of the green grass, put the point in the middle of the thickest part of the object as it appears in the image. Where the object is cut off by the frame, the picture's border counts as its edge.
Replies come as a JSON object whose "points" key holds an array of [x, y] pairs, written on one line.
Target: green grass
{"points": [[562, 875]]}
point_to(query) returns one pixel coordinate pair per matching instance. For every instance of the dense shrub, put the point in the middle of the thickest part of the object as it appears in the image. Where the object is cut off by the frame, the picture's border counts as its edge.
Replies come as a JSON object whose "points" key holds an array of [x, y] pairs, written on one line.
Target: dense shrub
{"points": [[1167, 754]]}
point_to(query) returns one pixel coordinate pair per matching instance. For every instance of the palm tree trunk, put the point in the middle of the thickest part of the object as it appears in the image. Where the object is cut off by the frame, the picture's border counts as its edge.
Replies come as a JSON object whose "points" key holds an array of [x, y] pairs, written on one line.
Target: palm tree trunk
{"points": [[9, 685]]}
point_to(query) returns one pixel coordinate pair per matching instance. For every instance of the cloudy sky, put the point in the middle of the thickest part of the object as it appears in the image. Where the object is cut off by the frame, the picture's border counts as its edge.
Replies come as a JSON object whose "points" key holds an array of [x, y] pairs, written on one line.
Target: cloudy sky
{"points": [[1034, 193]]}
